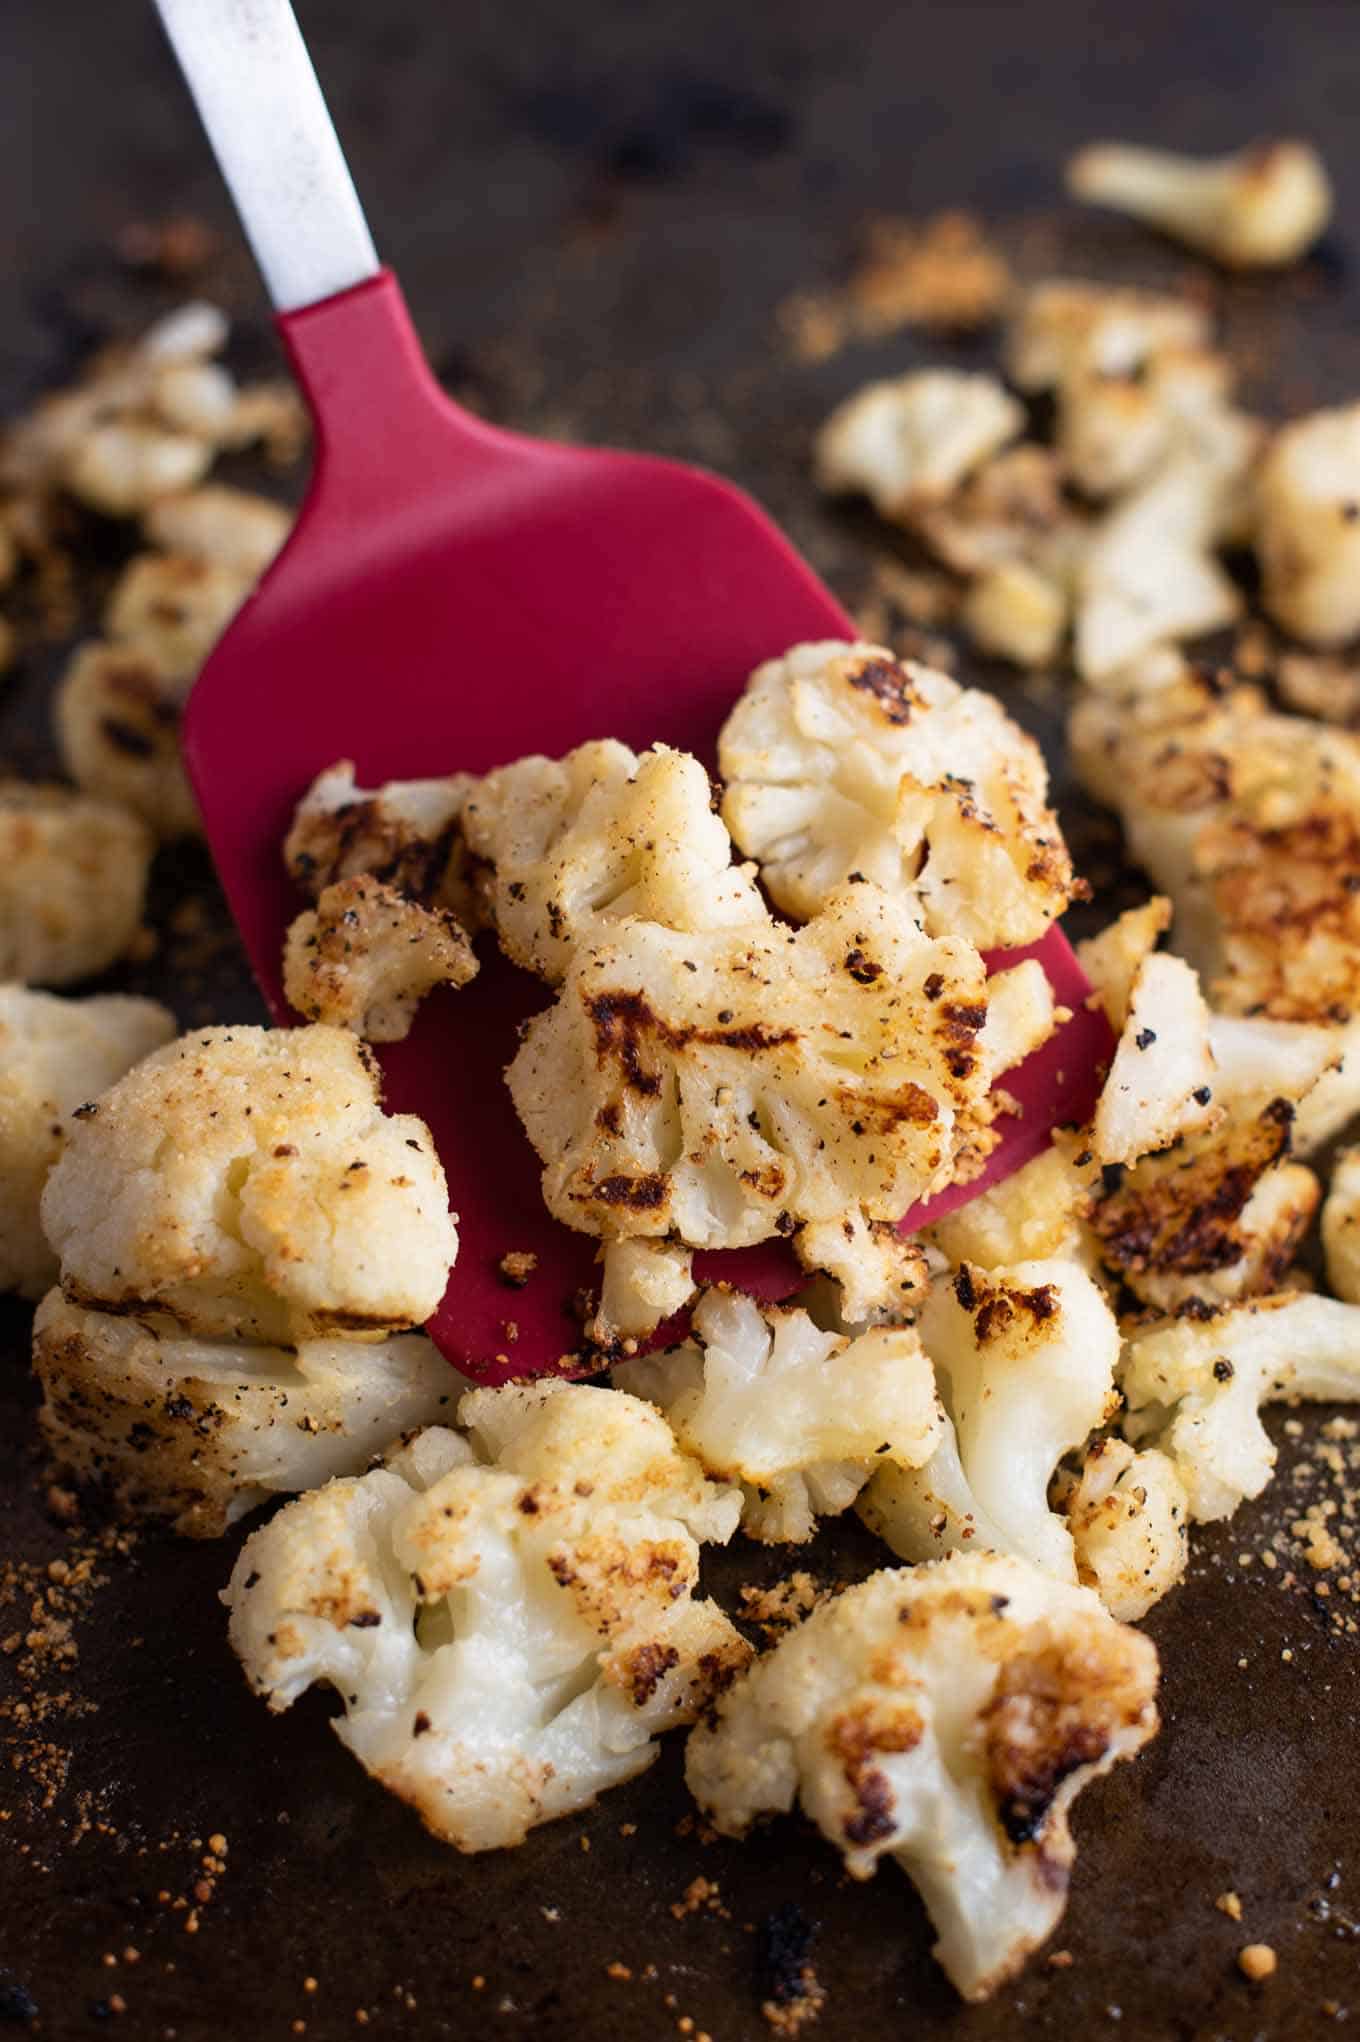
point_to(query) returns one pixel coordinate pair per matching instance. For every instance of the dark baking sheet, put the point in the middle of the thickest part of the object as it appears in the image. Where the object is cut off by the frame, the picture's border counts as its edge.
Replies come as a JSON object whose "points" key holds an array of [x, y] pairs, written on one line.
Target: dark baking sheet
{"points": [[596, 211]]}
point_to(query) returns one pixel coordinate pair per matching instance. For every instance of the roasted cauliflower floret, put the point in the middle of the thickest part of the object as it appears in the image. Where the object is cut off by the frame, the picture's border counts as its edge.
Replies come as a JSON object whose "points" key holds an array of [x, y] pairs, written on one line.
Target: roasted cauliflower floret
{"points": [[1306, 533], [245, 1183], [947, 1716], [72, 883], [509, 1629], [233, 528], [1161, 1082], [1254, 210], [844, 764], [644, 1283], [1316, 1069], [1127, 1515], [574, 845], [799, 1417], [1011, 509], [1341, 1227], [1113, 959], [878, 1271], [1065, 328], [1113, 431], [1193, 1387], [199, 1432], [408, 834], [914, 439], [365, 956], [720, 1088], [1038, 1213], [55, 1054], [117, 714], [1025, 1360], [1016, 612]]}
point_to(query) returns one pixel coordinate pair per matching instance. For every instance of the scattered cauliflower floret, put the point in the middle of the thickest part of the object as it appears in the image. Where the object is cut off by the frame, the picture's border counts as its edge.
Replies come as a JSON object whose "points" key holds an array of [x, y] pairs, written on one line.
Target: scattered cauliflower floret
{"points": [[1193, 1387], [723, 1087], [1013, 508], [645, 1282], [232, 528], [1161, 1082], [1016, 612], [1255, 210], [509, 1627], [1315, 1068], [408, 834], [72, 883], [1307, 526], [245, 1183], [844, 764], [121, 465], [1038, 1213], [1113, 432], [55, 1054], [1341, 1227], [914, 439], [947, 1716], [1113, 959], [799, 1417], [1025, 1359], [1066, 328], [878, 1271], [199, 1432], [575, 845], [1127, 1515], [365, 956], [117, 713]]}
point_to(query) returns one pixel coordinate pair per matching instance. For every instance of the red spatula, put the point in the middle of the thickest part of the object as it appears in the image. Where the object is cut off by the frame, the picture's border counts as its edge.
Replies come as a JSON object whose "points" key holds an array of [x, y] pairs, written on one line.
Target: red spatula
{"points": [[454, 596]]}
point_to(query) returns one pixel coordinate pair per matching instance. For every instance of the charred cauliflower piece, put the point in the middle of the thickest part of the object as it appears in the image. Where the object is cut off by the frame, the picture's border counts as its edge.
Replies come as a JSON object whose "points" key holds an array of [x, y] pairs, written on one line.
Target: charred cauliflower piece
{"points": [[1038, 1213], [72, 883], [1113, 959], [510, 1624], [365, 956], [1255, 210], [913, 440], [245, 1183], [1127, 1514], [1161, 1082], [198, 1432], [720, 1088], [55, 1054], [408, 834], [1306, 533], [842, 764], [799, 1417], [1025, 1360], [1193, 1387], [947, 1716], [574, 845]]}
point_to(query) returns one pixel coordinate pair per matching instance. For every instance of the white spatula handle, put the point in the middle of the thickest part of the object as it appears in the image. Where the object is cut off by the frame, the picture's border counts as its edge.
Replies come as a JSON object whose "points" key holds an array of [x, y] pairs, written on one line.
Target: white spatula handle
{"points": [[252, 80]]}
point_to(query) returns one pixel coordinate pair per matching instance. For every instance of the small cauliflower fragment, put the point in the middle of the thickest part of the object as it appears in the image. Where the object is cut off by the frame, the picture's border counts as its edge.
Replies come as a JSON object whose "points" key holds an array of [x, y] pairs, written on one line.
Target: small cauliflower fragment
{"points": [[723, 1087], [799, 1417], [575, 845], [1307, 534], [55, 1054], [914, 439], [844, 764], [1161, 1082], [1315, 1068], [645, 1283], [1258, 209], [1127, 1515], [947, 1716], [1011, 509], [408, 834], [1065, 328], [1038, 1213], [121, 465], [365, 956], [244, 1183], [1113, 959], [1017, 613], [198, 1432], [510, 1623], [1193, 1387], [878, 1271], [1025, 1359], [1341, 1227], [117, 713], [232, 528], [1114, 432], [72, 883]]}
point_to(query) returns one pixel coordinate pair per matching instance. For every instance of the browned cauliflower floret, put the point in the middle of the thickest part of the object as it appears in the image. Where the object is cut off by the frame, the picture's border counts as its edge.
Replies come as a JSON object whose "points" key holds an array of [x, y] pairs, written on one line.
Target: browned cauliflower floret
{"points": [[1066, 328], [913, 440], [1254, 210], [233, 528], [198, 1432], [408, 834], [574, 845], [245, 1182], [1127, 1513], [1161, 1081], [1038, 1212], [843, 764], [946, 1716], [1306, 532], [117, 713], [365, 956], [55, 1054], [721, 1088], [510, 1621], [72, 883]]}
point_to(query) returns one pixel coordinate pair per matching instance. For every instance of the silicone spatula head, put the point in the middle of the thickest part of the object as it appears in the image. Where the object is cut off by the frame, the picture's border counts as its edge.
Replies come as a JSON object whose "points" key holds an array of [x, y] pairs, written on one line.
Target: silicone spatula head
{"points": [[452, 597]]}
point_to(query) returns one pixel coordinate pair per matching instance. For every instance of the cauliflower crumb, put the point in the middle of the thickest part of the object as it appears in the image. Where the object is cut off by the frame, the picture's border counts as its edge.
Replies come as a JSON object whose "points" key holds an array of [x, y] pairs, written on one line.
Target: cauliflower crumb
{"points": [[1025, 1360], [948, 1716], [576, 845], [509, 1618], [1257, 1961], [408, 834], [1127, 1513], [245, 1183], [54, 1055], [844, 764], [1257, 209], [72, 883], [365, 956], [199, 1432], [799, 1417], [914, 439]]}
